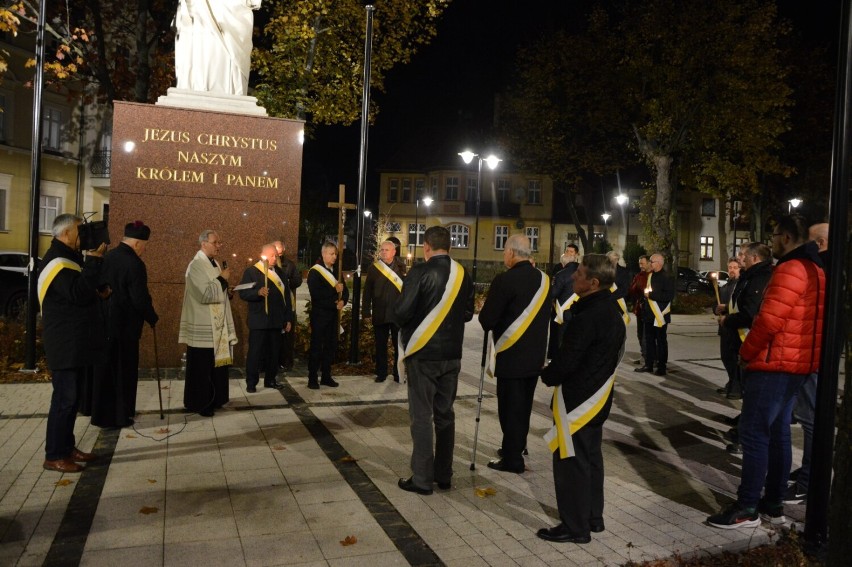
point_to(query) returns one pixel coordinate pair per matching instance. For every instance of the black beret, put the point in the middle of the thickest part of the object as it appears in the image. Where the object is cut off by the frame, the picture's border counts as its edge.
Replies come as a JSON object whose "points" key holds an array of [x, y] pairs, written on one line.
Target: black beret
{"points": [[137, 230]]}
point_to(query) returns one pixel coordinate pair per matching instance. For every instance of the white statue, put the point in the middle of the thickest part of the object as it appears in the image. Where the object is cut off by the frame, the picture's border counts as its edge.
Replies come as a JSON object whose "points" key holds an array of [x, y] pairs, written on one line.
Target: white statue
{"points": [[213, 45]]}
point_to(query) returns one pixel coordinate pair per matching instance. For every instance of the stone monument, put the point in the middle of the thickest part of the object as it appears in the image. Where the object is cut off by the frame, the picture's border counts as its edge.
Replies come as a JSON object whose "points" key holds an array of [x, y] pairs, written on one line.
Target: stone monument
{"points": [[203, 159]]}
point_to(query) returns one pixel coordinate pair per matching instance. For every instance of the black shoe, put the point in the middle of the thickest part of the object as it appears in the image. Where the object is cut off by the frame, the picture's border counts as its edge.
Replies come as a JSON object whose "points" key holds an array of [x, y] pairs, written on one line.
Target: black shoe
{"points": [[206, 413], [501, 466], [524, 452], [329, 382], [274, 385], [560, 534], [660, 372], [251, 389], [795, 495], [722, 391], [444, 485], [642, 369], [380, 379], [734, 395], [734, 449], [407, 484], [313, 385], [596, 527]]}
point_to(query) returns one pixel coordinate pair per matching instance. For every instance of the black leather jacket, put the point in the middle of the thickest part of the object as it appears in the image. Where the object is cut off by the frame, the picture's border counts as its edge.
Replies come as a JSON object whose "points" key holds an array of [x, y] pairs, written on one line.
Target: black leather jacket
{"points": [[421, 291]]}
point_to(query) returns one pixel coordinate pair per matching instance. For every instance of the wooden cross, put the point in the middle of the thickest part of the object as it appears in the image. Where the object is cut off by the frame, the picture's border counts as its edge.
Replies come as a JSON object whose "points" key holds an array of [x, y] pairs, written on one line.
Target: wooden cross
{"points": [[342, 205]]}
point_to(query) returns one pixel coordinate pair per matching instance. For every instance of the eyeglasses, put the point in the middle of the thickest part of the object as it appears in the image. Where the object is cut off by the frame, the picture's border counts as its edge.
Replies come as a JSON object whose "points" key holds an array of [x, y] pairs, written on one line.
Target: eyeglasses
{"points": [[774, 234]]}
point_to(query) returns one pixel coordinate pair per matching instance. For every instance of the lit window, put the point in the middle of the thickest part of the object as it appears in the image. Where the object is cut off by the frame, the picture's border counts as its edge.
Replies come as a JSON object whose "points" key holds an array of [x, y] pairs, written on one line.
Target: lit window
{"points": [[705, 248], [421, 229], [393, 227], [458, 235], [501, 235], [49, 208], [531, 232]]}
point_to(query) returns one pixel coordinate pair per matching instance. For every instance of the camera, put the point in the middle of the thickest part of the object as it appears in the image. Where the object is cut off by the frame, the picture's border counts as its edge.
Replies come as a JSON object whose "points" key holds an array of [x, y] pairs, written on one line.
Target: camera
{"points": [[93, 234]]}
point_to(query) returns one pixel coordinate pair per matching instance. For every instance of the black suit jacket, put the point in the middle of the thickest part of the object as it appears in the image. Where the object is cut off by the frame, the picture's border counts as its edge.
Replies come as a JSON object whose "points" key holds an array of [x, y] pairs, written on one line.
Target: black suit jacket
{"points": [[380, 295], [324, 297], [280, 312], [662, 291], [130, 304], [510, 293]]}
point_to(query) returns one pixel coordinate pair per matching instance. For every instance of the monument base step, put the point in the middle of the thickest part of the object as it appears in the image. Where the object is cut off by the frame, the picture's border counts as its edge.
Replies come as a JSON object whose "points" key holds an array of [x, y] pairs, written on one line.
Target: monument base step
{"points": [[217, 102]]}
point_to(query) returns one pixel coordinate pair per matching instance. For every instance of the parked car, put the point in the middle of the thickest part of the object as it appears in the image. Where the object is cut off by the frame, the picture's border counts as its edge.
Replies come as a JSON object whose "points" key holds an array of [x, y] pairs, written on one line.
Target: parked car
{"points": [[13, 261], [13, 293], [691, 282], [722, 277]]}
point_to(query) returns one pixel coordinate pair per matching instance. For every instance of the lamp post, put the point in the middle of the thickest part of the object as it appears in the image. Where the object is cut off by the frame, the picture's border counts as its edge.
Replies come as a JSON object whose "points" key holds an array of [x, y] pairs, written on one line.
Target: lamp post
{"points": [[368, 228], [427, 200], [793, 204], [492, 161], [622, 200], [605, 217]]}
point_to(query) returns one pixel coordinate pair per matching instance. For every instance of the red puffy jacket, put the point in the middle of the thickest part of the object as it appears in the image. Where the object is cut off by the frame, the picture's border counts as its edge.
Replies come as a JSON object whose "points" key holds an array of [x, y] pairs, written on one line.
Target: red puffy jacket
{"points": [[786, 334]]}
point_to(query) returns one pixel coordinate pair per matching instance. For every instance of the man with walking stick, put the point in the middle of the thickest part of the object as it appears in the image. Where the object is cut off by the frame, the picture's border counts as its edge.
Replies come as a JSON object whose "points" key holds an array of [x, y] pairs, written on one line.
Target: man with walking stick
{"points": [[516, 312], [436, 301]]}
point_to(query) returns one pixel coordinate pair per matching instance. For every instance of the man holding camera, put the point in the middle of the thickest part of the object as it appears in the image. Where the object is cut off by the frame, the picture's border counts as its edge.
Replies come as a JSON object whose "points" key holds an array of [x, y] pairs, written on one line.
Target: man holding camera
{"points": [[207, 328], [129, 308], [67, 293]]}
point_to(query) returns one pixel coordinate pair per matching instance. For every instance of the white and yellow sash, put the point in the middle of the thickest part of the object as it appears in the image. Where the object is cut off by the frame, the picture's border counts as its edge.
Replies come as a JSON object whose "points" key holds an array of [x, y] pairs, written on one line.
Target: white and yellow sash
{"points": [[732, 308], [389, 274], [561, 309], [622, 305], [433, 320], [50, 271], [567, 423], [519, 326], [332, 281], [272, 275], [659, 314]]}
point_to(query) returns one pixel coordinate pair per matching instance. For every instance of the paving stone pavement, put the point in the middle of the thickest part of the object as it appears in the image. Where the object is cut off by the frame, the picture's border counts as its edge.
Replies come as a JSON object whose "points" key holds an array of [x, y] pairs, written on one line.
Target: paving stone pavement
{"points": [[284, 477]]}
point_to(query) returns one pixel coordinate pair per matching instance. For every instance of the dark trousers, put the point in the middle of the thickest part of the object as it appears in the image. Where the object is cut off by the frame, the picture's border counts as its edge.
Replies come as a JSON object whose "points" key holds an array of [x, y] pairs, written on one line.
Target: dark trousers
{"points": [[323, 347], [514, 406], [206, 385], [640, 334], [656, 346], [124, 362], [285, 354], [729, 350], [805, 412], [381, 333], [579, 480], [263, 349], [59, 440], [432, 388]]}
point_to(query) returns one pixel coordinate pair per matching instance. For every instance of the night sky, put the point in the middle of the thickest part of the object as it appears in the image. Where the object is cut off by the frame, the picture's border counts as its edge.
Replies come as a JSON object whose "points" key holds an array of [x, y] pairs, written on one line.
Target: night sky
{"points": [[445, 96]]}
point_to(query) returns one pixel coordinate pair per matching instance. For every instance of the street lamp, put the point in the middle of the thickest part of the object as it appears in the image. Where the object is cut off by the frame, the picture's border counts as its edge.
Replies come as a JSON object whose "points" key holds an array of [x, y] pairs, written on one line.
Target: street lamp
{"points": [[427, 200], [622, 200], [793, 204], [492, 161], [367, 227], [605, 217]]}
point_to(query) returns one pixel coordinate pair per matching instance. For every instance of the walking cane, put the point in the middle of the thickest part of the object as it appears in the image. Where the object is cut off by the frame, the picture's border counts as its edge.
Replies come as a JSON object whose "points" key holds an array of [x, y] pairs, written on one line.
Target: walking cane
{"points": [[479, 400], [157, 367]]}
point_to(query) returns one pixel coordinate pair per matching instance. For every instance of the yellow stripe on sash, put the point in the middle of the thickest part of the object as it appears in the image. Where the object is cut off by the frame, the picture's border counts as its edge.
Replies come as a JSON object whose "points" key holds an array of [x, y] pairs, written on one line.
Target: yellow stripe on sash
{"points": [[50, 271], [519, 326], [742, 331], [659, 315], [272, 275], [332, 281], [622, 305], [567, 423], [389, 274]]}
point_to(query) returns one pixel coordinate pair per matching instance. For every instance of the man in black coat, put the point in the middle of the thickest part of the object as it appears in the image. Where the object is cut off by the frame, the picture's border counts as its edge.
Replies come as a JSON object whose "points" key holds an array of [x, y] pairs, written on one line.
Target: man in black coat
{"points": [[584, 373], [128, 308], [562, 291], [729, 341], [432, 358], [269, 314], [382, 290], [655, 316], [328, 296], [67, 292], [517, 311], [288, 272]]}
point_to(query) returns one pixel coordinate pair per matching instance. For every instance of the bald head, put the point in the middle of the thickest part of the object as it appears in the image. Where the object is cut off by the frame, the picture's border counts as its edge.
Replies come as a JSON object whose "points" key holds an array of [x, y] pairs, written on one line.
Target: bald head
{"points": [[819, 234]]}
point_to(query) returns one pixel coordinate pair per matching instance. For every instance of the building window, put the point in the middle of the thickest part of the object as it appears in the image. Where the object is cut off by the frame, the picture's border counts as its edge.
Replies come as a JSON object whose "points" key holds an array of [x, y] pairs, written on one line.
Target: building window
{"points": [[418, 241], [740, 242], [531, 232], [705, 247], [393, 190], [708, 207], [433, 187], [470, 193], [452, 189], [420, 189], [393, 227], [504, 190], [501, 235], [458, 235], [49, 208], [51, 136], [406, 190], [534, 192], [3, 196]]}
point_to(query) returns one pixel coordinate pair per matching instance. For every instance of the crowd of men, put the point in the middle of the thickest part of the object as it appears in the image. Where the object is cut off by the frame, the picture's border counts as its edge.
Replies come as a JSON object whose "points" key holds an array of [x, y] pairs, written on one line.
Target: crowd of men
{"points": [[567, 328]]}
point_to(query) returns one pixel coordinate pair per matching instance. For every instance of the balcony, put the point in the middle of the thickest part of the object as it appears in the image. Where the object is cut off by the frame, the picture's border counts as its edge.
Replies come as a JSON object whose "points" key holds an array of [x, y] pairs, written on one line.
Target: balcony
{"points": [[493, 209], [101, 162]]}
